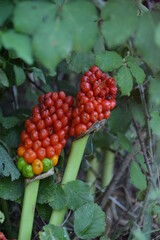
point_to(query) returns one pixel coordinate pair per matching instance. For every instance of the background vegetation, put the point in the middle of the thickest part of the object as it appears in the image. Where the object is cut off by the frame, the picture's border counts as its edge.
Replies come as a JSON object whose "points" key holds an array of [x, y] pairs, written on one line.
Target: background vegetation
{"points": [[47, 46]]}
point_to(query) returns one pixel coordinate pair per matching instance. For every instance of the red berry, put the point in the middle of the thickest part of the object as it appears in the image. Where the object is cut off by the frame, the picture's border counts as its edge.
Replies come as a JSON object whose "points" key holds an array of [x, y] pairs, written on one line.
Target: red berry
{"points": [[72, 132], [65, 107], [48, 102], [43, 134], [54, 139], [58, 103], [95, 85], [27, 122], [57, 125], [24, 135], [58, 149], [100, 116], [46, 142], [48, 121], [98, 74], [84, 100], [61, 134], [81, 108], [76, 121], [54, 117], [113, 90], [89, 107], [94, 69], [64, 121], [80, 128], [54, 96], [37, 144], [35, 109], [45, 114], [41, 153], [99, 108], [69, 114], [92, 79], [96, 91], [60, 113], [90, 94], [89, 124], [50, 152], [62, 95], [85, 87], [63, 142], [112, 104], [88, 73], [28, 143], [94, 117], [76, 112], [40, 124], [106, 105], [52, 109], [85, 79], [48, 95], [107, 114], [41, 98], [31, 127], [69, 100], [34, 135], [50, 130], [85, 117]]}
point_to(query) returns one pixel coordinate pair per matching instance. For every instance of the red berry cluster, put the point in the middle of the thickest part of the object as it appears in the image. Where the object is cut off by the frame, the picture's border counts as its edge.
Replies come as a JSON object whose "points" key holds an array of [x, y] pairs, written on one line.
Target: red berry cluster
{"points": [[95, 100], [47, 130]]}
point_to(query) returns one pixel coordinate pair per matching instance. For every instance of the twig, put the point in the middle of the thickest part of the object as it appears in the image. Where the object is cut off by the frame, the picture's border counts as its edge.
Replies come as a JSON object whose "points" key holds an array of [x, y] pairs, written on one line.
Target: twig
{"points": [[147, 119], [143, 148], [31, 80]]}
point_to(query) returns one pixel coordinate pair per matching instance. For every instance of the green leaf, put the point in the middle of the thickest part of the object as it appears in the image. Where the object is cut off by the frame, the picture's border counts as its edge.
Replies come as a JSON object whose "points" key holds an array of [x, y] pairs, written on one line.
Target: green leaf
{"points": [[156, 210], [78, 193], [109, 61], [80, 62], [83, 27], [119, 21], [123, 116], [157, 35], [39, 12], [6, 8], [137, 72], [155, 123], [137, 112], [145, 39], [9, 122], [93, 224], [3, 79], [21, 44], [99, 46], [2, 217], [44, 211], [125, 142], [11, 190], [154, 95], [7, 166], [52, 193], [138, 234], [19, 75], [56, 39], [52, 232], [12, 137], [38, 74], [125, 80], [137, 178]]}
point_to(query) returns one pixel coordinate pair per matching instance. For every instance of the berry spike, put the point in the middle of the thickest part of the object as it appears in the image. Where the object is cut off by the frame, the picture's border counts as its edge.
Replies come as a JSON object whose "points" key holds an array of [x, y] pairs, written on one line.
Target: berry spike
{"points": [[94, 102], [46, 133]]}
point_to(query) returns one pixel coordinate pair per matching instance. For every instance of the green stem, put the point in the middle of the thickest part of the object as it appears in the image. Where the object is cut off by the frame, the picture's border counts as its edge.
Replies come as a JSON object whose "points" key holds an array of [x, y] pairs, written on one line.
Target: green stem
{"points": [[92, 174], [70, 174], [108, 168], [7, 222], [27, 217]]}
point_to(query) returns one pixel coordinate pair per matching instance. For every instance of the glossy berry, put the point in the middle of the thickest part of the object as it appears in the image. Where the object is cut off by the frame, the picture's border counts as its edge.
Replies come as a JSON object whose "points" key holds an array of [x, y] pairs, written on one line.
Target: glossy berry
{"points": [[41, 153]]}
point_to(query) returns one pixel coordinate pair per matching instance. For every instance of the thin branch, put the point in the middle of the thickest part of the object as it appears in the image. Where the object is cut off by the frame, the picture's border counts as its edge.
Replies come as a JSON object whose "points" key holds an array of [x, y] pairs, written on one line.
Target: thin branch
{"points": [[143, 148], [31, 80]]}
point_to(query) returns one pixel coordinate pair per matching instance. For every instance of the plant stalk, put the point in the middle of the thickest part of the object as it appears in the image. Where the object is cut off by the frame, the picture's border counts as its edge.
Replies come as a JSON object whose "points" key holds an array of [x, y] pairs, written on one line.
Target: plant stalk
{"points": [[108, 168], [27, 217], [70, 174]]}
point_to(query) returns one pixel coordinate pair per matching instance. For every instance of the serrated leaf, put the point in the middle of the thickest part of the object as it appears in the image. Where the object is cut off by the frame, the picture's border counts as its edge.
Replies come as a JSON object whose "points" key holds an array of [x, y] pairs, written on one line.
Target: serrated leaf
{"points": [[52, 193], [11, 190], [44, 211], [99, 46], [145, 38], [9, 122], [38, 74], [7, 167], [125, 142], [119, 21], [93, 224], [137, 72], [109, 61], [21, 44], [137, 178], [19, 75], [12, 137], [52, 232], [78, 193], [125, 80], [155, 123], [123, 122], [80, 62], [3, 79], [6, 8], [83, 27], [56, 39], [2, 217], [39, 12]]}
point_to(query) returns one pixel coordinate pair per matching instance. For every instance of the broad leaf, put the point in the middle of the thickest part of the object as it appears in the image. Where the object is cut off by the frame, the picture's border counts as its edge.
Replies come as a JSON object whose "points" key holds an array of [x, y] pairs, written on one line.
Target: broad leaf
{"points": [[80, 62], [59, 198], [9, 122], [155, 123], [125, 80], [44, 211], [109, 61], [125, 142], [137, 72], [154, 87], [119, 21], [19, 75], [6, 8], [137, 177], [52, 232], [56, 39], [11, 190], [78, 193], [89, 221], [39, 12], [38, 74], [3, 79], [81, 16], [157, 35], [7, 167], [21, 44]]}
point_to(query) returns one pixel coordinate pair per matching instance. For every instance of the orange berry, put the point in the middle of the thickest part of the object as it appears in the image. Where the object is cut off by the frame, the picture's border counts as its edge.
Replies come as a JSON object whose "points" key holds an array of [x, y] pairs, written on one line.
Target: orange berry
{"points": [[55, 160], [37, 166], [20, 151]]}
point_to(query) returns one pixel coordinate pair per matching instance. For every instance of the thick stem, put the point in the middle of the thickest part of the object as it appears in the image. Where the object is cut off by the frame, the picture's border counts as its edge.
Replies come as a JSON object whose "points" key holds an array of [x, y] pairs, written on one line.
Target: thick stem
{"points": [[27, 217], [70, 174], [7, 222], [108, 168], [92, 174]]}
